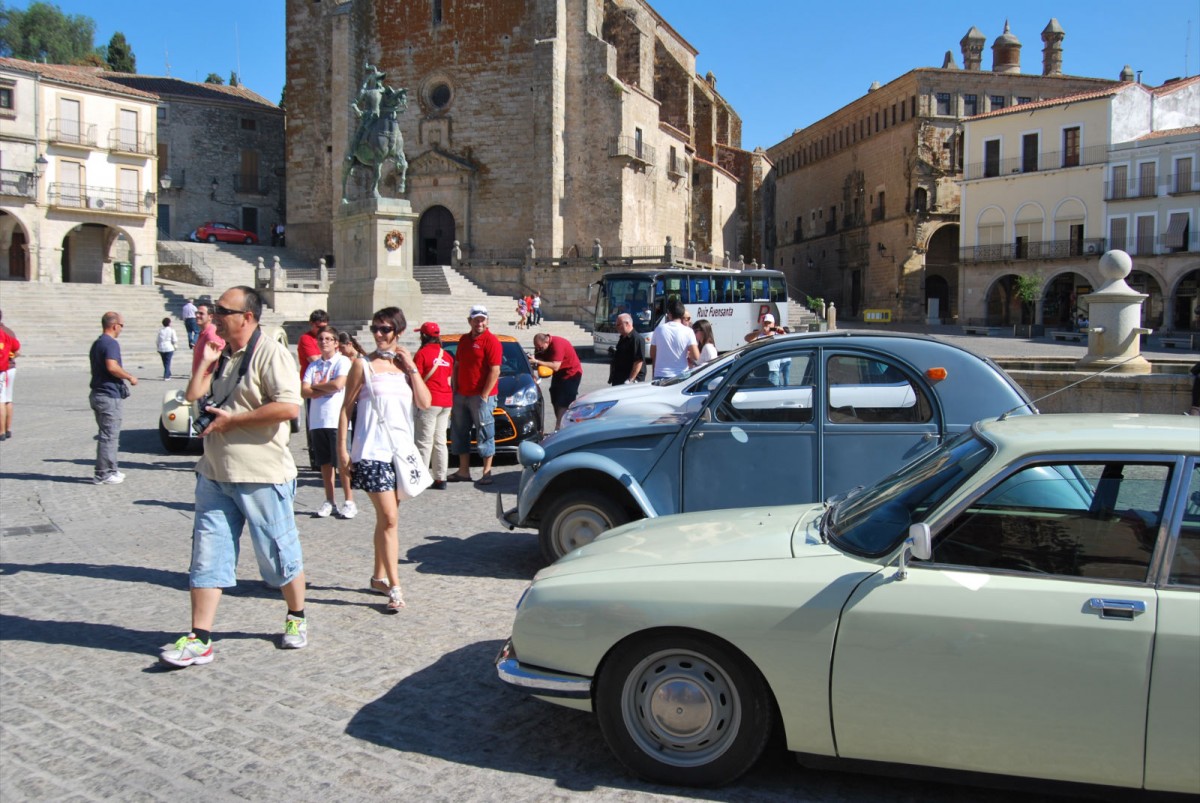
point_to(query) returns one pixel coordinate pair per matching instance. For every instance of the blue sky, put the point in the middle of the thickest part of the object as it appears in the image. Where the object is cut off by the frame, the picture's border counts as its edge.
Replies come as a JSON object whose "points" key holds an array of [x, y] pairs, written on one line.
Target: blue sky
{"points": [[783, 64]]}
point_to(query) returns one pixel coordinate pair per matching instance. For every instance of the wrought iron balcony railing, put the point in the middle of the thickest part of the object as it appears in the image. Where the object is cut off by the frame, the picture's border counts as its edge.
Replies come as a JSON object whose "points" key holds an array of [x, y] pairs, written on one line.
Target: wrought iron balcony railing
{"points": [[71, 132], [1045, 249], [107, 200], [126, 140], [1047, 160], [18, 183], [632, 148]]}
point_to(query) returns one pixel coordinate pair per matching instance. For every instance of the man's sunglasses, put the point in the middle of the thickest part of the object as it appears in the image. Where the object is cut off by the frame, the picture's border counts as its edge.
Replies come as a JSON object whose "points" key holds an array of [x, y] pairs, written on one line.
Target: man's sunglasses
{"points": [[224, 311]]}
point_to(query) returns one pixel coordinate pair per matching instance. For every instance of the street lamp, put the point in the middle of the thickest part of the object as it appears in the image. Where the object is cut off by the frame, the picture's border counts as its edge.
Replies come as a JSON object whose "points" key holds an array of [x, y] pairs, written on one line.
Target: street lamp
{"points": [[164, 181]]}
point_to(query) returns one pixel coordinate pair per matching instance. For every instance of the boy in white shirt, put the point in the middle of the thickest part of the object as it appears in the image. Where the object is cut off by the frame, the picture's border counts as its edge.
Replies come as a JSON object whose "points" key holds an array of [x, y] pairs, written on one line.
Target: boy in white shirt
{"points": [[325, 383]]}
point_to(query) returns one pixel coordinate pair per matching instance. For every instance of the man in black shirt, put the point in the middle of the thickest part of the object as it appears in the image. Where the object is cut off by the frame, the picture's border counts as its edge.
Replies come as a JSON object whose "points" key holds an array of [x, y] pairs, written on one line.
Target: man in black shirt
{"points": [[107, 397], [629, 356]]}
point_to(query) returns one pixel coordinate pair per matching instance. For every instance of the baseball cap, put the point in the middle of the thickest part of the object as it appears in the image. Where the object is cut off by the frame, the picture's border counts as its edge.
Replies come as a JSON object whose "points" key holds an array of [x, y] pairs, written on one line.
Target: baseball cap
{"points": [[431, 329], [476, 311], [768, 318]]}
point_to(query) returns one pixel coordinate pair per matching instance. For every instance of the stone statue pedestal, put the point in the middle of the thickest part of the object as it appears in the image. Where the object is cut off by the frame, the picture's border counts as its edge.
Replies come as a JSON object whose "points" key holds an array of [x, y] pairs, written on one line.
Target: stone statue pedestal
{"points": [[1114, 320], [373, 269]]}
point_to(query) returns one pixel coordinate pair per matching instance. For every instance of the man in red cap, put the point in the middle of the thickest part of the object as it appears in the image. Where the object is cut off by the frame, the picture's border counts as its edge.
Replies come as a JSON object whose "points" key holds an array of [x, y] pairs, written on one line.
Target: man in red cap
{"points": [[435, 365]]}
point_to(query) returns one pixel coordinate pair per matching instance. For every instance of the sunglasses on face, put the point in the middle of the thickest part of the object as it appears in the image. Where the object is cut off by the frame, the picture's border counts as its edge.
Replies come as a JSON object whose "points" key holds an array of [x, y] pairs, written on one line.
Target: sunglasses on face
{"points": [[382, 330], [224, 311]]}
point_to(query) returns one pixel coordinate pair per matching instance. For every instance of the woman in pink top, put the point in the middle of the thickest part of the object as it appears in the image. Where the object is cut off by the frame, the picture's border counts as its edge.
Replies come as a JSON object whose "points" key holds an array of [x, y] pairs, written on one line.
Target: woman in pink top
{"points": [[397, 387]]}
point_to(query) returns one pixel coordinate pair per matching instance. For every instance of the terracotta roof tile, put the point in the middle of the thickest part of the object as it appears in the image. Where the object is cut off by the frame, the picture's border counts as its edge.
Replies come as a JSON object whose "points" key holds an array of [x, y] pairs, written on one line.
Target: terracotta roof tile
{"points": [[1170, 132], [89, 77], [1167, 89], [1048, 102], [166, 85]]}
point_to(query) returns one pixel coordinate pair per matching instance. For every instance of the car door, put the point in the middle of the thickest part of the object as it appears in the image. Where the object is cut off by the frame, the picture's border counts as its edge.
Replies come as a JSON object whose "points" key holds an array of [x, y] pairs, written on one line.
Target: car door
{"points": [[756, 440], [1173, 721], [1023, 646], [878, 416]]}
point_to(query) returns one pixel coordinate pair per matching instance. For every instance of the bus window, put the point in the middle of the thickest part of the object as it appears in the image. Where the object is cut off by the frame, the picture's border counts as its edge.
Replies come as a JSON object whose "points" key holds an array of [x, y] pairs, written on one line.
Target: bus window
{"points": [[723, 290], [778, 289], [741, 289], [701, 290], [668, 286], [760, 289]]}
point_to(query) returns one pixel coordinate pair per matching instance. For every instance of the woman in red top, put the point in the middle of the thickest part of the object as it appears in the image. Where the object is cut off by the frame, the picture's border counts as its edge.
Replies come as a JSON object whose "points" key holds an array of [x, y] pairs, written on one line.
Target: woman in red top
{"points": [[435, 365]]}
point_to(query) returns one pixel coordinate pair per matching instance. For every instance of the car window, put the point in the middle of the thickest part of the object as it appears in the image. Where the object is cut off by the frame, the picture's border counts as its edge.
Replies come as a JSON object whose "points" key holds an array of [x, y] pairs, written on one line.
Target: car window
{"points": [[775, 390], [1096, 519], [869, 390], [1185, 565]]}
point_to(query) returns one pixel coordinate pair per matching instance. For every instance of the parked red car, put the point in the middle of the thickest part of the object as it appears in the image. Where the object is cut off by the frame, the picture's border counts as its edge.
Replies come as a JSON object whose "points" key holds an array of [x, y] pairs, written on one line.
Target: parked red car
{"points": [[225, 233]]}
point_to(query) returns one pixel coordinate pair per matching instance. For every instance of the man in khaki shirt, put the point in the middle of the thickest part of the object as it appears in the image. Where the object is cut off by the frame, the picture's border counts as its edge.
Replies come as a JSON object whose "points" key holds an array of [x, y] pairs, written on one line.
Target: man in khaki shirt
{"points": [[246, 476]]}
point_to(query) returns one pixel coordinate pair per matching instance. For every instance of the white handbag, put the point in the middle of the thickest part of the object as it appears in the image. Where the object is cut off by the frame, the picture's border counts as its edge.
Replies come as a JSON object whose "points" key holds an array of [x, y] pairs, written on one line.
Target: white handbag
{"points": [[412, 475]]}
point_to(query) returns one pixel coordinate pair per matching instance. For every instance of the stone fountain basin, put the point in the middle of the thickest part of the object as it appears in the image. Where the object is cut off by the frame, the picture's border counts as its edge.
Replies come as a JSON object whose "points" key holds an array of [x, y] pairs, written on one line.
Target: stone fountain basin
{"points": [[1166, 389]]}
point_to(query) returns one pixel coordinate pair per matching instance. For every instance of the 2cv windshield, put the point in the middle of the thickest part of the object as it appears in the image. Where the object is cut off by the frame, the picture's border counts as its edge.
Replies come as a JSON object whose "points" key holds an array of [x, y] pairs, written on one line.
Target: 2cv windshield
{"points": [[873, 522]]}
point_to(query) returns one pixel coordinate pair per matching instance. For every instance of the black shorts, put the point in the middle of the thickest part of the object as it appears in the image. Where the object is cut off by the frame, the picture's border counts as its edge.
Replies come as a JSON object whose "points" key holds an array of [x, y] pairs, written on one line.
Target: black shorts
{"points": [[324, 446], [564, 391]]}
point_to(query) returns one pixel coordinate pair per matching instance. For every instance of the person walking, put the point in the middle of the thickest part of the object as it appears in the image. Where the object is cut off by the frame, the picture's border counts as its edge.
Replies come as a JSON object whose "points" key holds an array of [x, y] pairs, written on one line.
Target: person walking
{"points": [[166, 346], [107, 397], [536, 308], [324, 385], [673, 346], [436, 366], [189, 322], [705, 340], [246, 475], [10, 350], [557, 354], [475, 380], [386, 386], [629, 357]]}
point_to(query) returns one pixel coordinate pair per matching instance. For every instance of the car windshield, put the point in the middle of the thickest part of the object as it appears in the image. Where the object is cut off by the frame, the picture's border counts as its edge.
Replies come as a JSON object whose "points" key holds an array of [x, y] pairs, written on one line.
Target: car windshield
{"points": [[872, 522], [723, 360], [513, 360]]}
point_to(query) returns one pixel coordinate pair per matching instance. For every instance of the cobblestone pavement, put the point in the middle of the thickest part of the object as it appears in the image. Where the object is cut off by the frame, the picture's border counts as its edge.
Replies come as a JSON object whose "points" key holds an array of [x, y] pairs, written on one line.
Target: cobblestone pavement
{"points": [[93, 579]]}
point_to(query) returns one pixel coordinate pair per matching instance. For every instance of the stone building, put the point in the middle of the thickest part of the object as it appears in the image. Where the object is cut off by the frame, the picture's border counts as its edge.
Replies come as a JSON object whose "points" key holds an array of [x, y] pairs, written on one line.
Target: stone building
{"points": [[77, 175], [220, 155], [864, 204], [1050, 187], [565, 122]]}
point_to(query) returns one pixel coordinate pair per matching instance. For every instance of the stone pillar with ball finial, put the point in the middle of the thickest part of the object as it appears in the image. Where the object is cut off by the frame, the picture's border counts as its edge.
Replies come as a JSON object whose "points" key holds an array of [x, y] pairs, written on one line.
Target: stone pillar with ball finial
{"points": [[1114, 320]]}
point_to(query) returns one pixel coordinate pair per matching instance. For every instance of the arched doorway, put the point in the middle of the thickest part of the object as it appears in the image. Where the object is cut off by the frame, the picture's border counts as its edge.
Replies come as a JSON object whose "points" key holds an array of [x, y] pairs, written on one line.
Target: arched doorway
{"points": [[1004, 306], [1186, 300], [1060, 300], [435, 236], [89, 249], [14, 248], [938, 289], [941, 273], [1152, 307]]}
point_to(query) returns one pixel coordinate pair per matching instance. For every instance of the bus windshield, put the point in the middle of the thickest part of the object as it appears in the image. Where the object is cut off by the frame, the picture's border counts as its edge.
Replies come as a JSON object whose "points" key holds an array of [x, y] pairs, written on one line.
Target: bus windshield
{"points": [[625, 294]]}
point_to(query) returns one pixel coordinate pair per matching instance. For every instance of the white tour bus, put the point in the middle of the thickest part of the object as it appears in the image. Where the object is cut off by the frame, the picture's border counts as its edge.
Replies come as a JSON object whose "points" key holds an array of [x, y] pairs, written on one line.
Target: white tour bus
{"points": [[732, 301]]}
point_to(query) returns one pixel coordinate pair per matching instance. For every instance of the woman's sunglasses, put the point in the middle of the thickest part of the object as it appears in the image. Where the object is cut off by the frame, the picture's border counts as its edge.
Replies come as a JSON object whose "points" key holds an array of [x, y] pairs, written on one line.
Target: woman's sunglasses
{"points": [[382, 330]]}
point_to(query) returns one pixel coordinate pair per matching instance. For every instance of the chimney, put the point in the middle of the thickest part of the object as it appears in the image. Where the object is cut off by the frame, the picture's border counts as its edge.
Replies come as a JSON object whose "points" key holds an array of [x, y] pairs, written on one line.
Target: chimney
{"points": [[972, 49], [1006, 52], [1052, 50], [948, 63]]}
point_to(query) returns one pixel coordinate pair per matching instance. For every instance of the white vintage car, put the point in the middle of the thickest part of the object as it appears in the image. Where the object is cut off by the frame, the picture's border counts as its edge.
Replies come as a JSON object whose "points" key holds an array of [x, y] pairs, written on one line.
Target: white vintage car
{"points": [[1024, 600]]}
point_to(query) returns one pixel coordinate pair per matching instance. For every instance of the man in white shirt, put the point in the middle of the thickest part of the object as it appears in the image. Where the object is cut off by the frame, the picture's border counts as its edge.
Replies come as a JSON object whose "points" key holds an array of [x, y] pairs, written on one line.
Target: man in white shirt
{"points": [[673, 346]]}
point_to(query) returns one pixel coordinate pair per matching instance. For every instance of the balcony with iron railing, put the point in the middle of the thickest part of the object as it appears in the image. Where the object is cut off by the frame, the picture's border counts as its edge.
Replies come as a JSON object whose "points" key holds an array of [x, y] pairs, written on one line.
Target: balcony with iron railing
{"points": [[631, 148], [1159, 244], [106, 200], [16, 183], [1048, 160], [1183, 183], [1044, 249], [251, 184], [127, 140], [71, 132]]}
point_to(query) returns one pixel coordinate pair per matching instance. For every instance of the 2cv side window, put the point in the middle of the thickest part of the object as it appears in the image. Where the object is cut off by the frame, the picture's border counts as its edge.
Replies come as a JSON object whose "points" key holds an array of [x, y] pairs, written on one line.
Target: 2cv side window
{"points": [[775, 390], [1185, 563], [869, 390]]}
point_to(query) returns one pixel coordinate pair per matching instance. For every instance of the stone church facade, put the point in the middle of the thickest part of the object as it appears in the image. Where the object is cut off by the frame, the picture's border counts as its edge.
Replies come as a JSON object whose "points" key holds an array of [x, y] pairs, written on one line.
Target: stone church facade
{"points": [[562, 121]]}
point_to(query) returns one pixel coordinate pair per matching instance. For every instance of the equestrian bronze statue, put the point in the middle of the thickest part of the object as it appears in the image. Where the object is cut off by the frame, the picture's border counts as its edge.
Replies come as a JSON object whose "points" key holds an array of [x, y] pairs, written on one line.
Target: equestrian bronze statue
{"points": [[378, 136]]}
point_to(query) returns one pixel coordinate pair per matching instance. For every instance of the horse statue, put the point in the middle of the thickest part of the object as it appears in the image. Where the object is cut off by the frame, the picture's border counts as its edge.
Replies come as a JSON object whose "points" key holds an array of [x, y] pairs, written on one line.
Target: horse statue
{"points": [[378, 137]]}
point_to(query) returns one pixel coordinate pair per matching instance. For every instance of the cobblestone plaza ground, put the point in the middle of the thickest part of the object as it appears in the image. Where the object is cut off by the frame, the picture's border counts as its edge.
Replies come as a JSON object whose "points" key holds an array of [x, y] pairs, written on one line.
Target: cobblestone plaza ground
{"points": [[93, 579]]}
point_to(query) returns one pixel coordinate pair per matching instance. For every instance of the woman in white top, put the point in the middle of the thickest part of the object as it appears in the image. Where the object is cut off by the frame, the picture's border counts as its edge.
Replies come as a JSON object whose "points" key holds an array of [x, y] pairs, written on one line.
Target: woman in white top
{"points": [[396, 386], [166, 347], [706, 341]]}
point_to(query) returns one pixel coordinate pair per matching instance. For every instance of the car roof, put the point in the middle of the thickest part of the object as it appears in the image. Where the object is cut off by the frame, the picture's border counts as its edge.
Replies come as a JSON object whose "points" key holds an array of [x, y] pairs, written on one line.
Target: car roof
{"points": [[457, 337], [1093, 432]]}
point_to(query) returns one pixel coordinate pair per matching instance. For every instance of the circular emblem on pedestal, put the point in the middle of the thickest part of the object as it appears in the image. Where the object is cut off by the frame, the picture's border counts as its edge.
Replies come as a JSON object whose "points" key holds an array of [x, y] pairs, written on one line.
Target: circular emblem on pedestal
{"points": [[393, 240]]}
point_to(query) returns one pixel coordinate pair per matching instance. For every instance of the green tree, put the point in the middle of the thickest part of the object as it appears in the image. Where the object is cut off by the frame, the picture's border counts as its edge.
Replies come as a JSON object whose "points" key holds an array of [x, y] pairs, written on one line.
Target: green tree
{"points": [[42, 32], [1026, 287], [213, 78], [233, 79], [119, 55]]}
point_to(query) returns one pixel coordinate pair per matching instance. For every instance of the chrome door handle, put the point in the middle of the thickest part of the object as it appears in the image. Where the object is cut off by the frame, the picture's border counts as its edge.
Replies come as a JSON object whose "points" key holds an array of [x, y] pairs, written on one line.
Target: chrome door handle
{"points": [[1117, 608], [697, 435]]}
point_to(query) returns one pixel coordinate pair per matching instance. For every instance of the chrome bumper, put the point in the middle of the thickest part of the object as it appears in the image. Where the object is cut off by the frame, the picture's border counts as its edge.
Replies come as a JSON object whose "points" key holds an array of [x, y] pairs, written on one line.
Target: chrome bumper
{"points": [[507, 518], [539, 681]]}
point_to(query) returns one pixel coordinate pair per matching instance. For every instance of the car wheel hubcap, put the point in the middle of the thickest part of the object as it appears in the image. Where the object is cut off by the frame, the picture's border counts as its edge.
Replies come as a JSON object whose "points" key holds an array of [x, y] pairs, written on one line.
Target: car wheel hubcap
{"points": [[681, 708], [579, 526]]}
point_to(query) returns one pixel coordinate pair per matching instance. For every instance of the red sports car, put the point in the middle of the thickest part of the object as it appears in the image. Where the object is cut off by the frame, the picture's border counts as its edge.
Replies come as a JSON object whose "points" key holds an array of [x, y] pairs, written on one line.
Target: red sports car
{"points": [[225, 233]]}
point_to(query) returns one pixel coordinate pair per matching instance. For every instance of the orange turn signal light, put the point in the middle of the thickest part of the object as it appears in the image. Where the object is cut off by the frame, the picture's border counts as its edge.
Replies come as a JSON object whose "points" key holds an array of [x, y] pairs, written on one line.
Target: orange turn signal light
{"points": [[935, 374], [170, 416]]}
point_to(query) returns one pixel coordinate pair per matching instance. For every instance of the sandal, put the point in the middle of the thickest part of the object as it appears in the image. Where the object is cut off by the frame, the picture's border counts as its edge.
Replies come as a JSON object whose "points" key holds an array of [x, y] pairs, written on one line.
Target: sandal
{"points": [[458, 478], [395, 600], [380, 584], [486, 479]]}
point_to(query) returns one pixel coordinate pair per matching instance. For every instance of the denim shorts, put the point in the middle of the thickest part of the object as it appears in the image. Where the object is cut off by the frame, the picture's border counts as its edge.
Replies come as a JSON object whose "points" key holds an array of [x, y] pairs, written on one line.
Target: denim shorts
{"points": [[222, 509], [468, 412]]}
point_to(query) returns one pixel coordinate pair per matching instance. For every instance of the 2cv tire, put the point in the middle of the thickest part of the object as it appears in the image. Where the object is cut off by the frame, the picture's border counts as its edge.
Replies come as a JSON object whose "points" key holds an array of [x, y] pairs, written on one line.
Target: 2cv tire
{"points": [[575, 519]]}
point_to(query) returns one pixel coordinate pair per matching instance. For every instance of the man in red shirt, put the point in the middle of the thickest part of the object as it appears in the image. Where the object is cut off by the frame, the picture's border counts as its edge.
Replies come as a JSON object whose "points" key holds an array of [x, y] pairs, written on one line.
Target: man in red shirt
{"points": [[307, 348], [9, 346], [474, 381], [557, 354], [206, 332]]}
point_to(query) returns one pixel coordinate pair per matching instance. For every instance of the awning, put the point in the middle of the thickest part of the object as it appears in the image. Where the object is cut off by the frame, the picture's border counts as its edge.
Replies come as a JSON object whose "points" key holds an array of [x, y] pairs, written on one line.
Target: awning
{"points": [[1177, 231]]}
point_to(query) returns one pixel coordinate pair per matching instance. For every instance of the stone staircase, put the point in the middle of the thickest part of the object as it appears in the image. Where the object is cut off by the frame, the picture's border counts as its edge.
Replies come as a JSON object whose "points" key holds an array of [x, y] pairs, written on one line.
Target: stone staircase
{"points": [[56, 323], [226, 264]]}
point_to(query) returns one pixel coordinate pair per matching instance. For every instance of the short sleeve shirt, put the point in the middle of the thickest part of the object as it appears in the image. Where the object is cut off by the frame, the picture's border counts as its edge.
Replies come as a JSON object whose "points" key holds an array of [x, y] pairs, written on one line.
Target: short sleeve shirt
{"points": [[104, 383], [670, 342], [560, 350], [206, 336], [427, 358], [307, 349], [474, 358], [257, 454], [323, 411], [631, 349]]}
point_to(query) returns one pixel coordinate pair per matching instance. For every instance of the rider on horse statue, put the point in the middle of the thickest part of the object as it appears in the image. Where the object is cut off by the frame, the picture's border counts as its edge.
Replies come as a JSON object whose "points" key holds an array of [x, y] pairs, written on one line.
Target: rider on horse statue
{"points": [[378, 137]]}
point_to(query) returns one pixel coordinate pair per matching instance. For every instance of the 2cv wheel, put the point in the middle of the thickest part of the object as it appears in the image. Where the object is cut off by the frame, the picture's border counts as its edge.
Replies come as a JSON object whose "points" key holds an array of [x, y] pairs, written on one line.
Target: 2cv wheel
{"points": [[575, 519]]}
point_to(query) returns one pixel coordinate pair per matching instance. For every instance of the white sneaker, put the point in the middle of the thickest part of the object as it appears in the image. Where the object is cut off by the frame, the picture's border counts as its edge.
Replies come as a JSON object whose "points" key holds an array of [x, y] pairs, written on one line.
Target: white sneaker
{"points": [[325, 509], [112, 479], [349, 510]]}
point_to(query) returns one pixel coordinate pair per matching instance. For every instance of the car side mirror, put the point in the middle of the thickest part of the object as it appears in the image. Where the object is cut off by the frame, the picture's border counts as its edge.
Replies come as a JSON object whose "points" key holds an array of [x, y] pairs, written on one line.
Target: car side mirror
{"points": [[917, 545], [544, 372]]}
